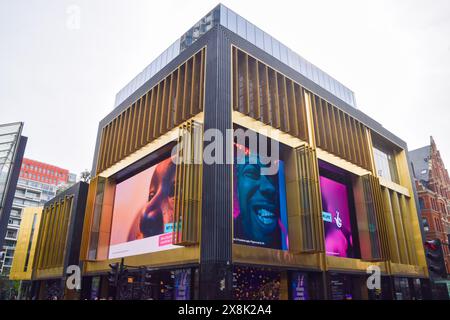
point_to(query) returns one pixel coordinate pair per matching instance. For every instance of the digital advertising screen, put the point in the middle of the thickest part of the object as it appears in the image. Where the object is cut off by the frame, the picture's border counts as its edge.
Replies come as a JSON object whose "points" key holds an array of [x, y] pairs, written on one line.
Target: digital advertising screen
{"points": [[182, 284], [259, 214], [336, 218], [299, 286], [143, 212]]}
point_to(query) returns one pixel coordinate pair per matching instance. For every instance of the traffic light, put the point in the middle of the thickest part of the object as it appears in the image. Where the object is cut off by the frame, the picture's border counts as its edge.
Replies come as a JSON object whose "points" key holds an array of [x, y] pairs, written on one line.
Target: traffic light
{"points": [[113, 274], [435, 259]]}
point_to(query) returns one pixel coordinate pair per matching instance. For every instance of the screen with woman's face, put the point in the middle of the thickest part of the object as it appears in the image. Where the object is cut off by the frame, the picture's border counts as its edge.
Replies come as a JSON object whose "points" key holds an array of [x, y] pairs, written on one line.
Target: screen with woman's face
{"points": [[260, 217], [336, 218], [143, 212]]}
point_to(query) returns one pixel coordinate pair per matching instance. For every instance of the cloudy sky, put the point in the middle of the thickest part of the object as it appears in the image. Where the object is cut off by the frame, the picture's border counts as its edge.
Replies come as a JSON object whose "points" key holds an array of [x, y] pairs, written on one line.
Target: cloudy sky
{"points": [[60, 80]]}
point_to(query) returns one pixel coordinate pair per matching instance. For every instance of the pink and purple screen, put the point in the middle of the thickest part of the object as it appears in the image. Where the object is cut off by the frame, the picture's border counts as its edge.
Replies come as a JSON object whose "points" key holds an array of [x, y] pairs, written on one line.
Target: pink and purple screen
{"points": [[336, 218]]}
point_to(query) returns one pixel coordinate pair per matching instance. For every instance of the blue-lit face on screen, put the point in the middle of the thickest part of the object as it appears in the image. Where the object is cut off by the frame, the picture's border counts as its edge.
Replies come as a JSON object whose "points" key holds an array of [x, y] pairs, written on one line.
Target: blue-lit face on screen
{"points": [[257, 211]]}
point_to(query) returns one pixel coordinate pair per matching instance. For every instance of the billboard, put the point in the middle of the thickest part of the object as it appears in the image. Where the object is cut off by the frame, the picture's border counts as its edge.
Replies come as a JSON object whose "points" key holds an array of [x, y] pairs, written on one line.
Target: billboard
{"points": [[143, 212], [259, 204], [336, 218]]}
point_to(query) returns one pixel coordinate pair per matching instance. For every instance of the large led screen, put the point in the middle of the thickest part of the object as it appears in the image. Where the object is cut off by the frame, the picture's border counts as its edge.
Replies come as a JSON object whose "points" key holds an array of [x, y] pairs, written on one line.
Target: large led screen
{"points": [[143, 212], [336, 218], [259, 214]]}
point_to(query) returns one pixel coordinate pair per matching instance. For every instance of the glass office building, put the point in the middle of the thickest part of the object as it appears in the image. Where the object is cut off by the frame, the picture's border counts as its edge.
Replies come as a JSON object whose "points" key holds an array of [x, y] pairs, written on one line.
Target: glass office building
{"points": [[12, 147]]}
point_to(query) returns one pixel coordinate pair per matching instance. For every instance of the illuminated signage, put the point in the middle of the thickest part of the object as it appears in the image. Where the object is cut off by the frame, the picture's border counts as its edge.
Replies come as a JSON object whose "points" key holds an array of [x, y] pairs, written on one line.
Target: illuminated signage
{"points": [[260, 214], [143, 212], [336, 218]]}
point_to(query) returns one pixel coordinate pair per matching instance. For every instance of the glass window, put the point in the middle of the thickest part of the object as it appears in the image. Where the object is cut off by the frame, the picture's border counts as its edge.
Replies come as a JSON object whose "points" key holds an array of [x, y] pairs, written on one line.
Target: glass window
{"points": [[241, 27], [231, 21], [223, 16], [276, 49], [284, 54], [251, 32], [421, 204], [382, 164], [315, 73], [267, 43], [385, 164], [259, 38], [426, 226]]}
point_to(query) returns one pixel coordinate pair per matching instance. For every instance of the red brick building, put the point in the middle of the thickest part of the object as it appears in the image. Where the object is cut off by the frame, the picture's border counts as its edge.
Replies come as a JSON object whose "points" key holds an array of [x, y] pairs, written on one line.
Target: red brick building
{"points": [[43, 172], [433, 187]]}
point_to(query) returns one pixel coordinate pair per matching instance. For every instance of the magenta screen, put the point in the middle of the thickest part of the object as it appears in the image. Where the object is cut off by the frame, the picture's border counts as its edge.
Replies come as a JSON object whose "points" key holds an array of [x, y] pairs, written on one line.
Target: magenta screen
{"points": [[336, 218]]}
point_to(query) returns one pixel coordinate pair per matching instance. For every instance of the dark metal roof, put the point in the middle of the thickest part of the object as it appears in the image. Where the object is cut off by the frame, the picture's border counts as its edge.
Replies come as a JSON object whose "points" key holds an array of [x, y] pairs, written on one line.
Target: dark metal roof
{"points": [[420, 162]]}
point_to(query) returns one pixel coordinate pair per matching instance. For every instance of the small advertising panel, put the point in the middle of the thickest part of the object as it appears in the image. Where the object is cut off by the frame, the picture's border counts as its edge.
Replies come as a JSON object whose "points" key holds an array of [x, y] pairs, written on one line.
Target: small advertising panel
{"points": [[182, 284], [143, 212], [299, 286]]}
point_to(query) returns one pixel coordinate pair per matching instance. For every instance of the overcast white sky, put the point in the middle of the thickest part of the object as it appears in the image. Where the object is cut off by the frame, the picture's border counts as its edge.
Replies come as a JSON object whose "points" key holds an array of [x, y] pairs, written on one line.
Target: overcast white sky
{"points": [[395, 56]]}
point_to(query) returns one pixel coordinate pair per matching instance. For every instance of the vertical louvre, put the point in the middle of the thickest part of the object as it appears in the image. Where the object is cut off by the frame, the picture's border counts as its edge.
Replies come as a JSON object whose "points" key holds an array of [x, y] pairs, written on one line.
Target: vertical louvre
{"points": [[65, 226], [57, 234], [372, 192], [263, 93], [282, 99], [333, 131], [139, 122], [119, 149], [253, 85], [88, 218], [394, 243], [358, 142], [52, 240], [292, 108], [304, 202], [188, 185], [157, 114], [399, 227], [274, 99], [201, 82], [406, 216], [381, 220], [43, 229], [172, 101], [165, 110], [187, 90], [145, 117], [351, 137], [51, 232], [339, 133], [266, 95]]}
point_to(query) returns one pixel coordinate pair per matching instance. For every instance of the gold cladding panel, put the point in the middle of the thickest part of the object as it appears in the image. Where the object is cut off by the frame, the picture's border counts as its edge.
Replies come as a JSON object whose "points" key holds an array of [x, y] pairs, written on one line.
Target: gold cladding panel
{"points": [[24, 237], [183, 255], [165, 106], [272, 257]]}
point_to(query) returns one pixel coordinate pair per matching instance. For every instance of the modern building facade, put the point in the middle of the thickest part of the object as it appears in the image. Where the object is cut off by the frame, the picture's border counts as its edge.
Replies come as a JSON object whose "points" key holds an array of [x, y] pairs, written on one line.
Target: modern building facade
{"points": [[340, 202], [22, 266], [38, 183], [433, 188], [43, 172], [58, 244]]}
